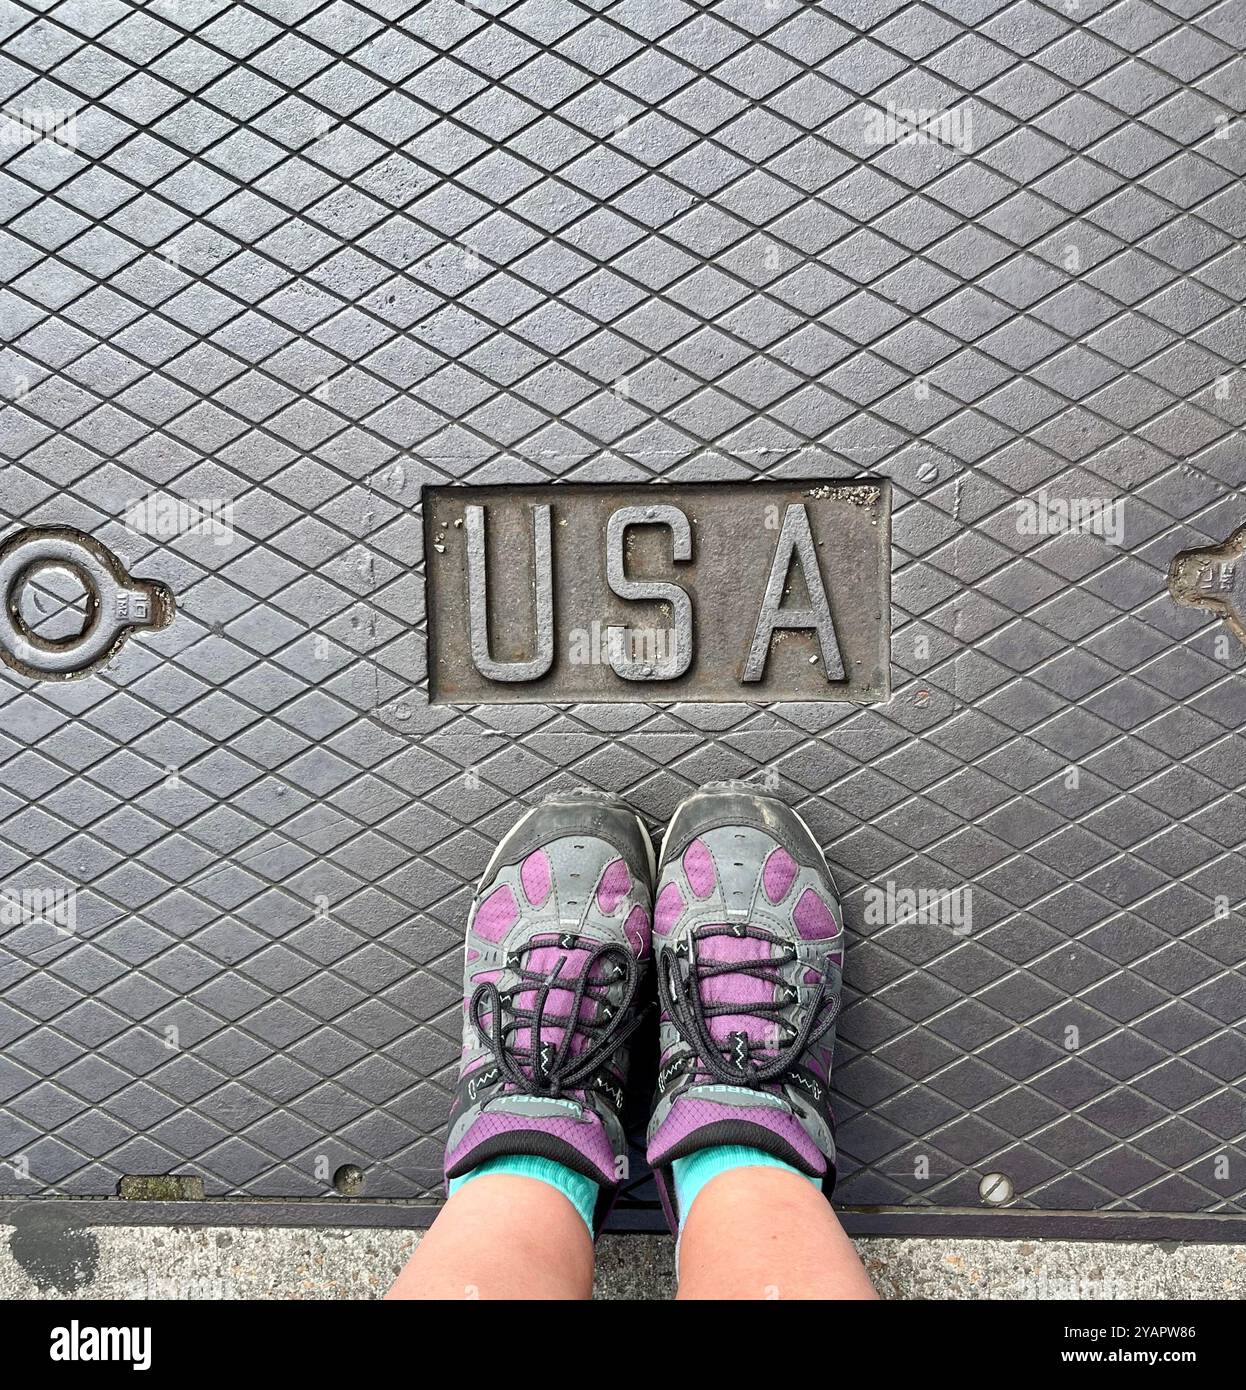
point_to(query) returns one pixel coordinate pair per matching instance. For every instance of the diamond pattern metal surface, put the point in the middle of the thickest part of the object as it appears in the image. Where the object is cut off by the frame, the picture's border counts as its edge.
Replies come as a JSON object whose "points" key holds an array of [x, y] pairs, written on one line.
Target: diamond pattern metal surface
{"points": [[308, 258]]}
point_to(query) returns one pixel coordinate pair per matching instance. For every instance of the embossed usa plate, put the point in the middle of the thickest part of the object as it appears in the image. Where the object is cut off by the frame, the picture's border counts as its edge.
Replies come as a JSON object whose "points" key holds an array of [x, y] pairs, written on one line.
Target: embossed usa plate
{"points": [[694, 592]]}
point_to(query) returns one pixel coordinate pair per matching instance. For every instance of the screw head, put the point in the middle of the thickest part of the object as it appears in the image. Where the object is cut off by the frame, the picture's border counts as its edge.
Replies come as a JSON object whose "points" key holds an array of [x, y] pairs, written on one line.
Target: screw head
{"points": [[995, 1189]]}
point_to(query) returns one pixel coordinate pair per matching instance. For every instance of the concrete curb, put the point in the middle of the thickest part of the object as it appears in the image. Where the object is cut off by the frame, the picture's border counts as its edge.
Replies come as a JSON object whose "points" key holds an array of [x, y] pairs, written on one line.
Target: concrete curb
{"points": [[320, 1263]]}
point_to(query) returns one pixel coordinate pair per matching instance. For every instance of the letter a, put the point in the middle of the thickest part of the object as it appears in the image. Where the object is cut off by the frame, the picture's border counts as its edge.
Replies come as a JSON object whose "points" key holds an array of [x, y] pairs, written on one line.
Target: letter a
{"points": [[795, 538]]}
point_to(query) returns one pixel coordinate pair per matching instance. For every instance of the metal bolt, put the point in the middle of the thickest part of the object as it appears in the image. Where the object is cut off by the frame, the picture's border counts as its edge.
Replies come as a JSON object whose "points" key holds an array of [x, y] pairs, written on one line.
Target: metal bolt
{"points": [[995, 1189], [927, 472]]}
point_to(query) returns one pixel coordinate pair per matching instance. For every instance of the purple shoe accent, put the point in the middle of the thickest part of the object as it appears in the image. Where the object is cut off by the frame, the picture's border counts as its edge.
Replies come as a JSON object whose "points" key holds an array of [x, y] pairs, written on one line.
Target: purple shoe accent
{"points": [[613, 886], [586, 1137], [536, 877], [692, 1114], [699, 868], [472, 954], [497, 914], [812, 977], [737, 987], [813, 918], [668, 908], [778, 875], [545, 959], [638, 931]]}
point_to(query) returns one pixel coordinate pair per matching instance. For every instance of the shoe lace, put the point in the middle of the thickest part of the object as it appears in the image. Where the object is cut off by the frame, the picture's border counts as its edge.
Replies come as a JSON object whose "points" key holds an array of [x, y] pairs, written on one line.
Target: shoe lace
{"points": [[544, 1069], [681, 976]]}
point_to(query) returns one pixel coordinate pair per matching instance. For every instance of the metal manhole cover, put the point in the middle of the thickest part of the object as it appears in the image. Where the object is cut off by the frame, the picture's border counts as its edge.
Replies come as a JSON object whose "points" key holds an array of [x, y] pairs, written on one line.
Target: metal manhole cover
{"points": [[270, 275]]}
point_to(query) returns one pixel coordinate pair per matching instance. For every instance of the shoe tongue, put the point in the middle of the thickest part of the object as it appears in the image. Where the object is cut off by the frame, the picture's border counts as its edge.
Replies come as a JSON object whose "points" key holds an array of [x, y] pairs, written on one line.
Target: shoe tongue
{"points": [[737, 988], [543, 960]]}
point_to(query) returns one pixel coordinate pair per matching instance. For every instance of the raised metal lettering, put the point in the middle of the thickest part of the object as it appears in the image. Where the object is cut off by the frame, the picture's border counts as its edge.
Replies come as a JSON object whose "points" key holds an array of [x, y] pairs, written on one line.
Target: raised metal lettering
{"points": [[672, 656], [795, 538], [478, 600]]}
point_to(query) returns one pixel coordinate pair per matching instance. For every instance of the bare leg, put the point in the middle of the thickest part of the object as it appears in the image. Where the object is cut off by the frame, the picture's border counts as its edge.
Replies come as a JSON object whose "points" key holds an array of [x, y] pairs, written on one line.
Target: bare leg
{"points": [[766, 1234], [502, 1236]]}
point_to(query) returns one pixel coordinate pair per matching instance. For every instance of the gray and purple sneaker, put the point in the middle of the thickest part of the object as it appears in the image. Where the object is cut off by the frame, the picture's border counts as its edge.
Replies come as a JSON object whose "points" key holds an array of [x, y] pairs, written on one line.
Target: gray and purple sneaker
{"points": [[748, 946], [557, 945]]}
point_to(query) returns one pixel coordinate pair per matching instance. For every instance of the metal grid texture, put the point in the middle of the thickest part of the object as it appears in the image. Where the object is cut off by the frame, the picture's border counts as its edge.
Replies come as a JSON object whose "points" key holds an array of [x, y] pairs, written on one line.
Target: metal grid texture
{"points": [[311, 257]]}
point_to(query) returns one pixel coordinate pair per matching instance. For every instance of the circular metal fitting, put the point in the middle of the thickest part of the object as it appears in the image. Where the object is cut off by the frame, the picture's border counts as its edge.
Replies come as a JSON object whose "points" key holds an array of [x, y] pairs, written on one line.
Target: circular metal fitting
{"points": [[115, 603]]}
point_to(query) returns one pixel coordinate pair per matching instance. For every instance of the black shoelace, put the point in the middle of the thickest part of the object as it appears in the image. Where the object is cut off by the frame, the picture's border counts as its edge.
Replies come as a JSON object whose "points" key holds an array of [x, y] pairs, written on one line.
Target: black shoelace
{"points": [[734, 1065], [543, 1069]]}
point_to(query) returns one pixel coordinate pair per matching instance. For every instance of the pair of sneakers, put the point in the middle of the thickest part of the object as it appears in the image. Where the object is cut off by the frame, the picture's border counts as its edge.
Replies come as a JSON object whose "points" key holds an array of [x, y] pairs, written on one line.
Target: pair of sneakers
{"points": [[737, 914]]}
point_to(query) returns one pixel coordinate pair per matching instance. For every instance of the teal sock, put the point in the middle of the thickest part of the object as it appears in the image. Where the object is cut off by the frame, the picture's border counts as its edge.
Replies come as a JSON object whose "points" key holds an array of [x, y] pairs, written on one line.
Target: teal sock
{"points": [[693, 1172], [580, 1191]]}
